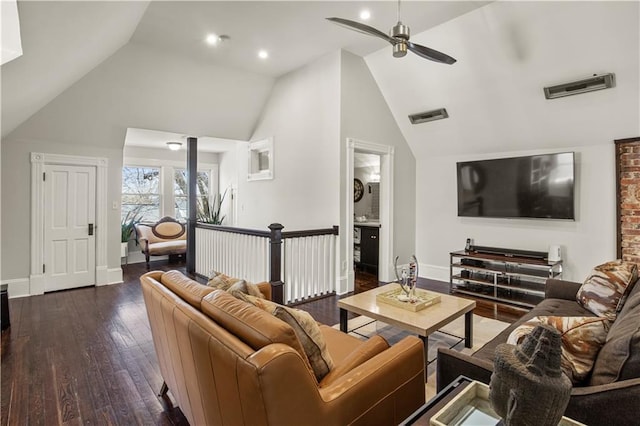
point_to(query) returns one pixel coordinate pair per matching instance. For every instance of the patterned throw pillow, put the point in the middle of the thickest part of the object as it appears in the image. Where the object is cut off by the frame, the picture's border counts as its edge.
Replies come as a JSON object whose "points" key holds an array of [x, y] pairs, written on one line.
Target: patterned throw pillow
{"points": [[221, 281], [233, 285], [582, 338], [606, 289], [305, 328]]}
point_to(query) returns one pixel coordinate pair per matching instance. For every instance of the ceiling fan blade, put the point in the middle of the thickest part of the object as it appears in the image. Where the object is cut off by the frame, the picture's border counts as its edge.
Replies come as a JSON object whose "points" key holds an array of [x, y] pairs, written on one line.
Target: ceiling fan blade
{"points": [[432, 55], [362, 28]]}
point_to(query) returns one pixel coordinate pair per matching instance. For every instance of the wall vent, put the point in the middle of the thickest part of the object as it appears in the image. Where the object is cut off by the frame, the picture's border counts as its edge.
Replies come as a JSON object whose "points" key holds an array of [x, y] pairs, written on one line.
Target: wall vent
{"points": [[423, 117], [597, 82]]}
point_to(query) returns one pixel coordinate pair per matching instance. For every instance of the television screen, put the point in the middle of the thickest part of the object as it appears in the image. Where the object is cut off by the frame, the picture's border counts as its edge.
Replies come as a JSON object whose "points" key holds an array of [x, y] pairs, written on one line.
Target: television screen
{"points": [[537, 186]]}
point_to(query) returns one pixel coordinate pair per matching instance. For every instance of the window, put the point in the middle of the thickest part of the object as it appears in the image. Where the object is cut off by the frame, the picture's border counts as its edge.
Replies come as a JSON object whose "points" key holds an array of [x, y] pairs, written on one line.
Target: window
{"points": [[261, 159], [141, 192], [180, 187]]}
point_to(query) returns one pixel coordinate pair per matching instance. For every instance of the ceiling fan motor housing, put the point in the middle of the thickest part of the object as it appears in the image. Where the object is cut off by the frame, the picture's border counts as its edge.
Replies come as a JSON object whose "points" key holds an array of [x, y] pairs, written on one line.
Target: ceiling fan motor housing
{"points": [[400, 31]]}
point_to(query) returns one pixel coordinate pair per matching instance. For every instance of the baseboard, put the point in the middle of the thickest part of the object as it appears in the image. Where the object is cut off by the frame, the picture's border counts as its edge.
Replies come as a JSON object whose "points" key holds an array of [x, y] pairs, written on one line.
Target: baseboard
{"points": [[19, 287], [111, 276], [343, 281], [434, 272]]}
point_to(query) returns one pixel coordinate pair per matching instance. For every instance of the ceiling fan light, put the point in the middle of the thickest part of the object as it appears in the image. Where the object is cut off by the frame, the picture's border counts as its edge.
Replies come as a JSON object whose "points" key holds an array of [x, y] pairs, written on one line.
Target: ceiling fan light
{"points": [[174, 146], [365, 15], [399, 49]]}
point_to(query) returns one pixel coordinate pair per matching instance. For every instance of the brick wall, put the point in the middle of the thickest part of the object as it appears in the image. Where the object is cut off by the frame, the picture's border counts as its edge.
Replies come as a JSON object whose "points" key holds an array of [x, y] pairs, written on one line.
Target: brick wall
{"points": [[628, 168]]}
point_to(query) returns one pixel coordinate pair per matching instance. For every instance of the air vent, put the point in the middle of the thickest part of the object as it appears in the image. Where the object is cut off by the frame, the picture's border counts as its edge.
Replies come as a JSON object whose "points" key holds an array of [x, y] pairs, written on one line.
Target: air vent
{"points": [[597, 82], [423, 117]]}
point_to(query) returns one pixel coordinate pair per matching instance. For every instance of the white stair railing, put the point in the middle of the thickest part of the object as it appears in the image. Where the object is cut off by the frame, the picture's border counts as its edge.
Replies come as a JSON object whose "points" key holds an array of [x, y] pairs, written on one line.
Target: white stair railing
{"points": [[306, 268]]}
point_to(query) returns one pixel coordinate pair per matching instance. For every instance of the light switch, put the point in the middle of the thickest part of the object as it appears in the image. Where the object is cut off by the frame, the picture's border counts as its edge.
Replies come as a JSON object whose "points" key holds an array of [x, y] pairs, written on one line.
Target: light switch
{"points": [[115, 205]]}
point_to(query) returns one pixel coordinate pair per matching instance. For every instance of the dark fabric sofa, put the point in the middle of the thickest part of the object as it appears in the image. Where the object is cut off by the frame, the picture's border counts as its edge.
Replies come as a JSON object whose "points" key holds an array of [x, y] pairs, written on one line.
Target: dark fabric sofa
{"points": [[615, 403]]}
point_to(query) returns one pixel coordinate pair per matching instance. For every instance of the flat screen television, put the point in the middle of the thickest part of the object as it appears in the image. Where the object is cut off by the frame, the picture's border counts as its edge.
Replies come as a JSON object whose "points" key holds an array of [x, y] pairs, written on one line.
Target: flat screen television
{"points": [[536, 186]]}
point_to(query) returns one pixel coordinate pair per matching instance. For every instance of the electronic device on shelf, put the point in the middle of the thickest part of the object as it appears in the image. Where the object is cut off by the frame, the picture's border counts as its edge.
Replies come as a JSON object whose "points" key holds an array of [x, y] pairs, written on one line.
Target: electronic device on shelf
{"points": [[538, 255]]}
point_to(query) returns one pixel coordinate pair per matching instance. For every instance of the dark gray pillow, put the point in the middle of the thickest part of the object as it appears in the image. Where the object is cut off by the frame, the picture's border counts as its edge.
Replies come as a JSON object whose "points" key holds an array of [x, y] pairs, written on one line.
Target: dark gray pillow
{"points": [[619, 358]]}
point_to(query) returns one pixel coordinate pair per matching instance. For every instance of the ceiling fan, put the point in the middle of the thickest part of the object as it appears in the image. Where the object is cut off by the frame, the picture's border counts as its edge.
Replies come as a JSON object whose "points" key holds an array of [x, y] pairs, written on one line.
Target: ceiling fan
{"points": [[399, 39]]}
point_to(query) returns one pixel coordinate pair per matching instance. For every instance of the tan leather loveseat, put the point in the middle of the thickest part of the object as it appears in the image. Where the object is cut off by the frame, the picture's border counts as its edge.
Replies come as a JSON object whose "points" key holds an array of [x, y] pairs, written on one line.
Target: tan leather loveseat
{"points": [[227, 362], [165, 237]]}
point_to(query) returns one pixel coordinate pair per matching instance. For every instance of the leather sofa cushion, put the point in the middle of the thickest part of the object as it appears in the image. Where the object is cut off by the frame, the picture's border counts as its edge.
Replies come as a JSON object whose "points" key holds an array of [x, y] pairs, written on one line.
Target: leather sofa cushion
{"points": [[250, 324], [189, 290], [340, 345], [305, 327], [360, 355], [619, 358]]}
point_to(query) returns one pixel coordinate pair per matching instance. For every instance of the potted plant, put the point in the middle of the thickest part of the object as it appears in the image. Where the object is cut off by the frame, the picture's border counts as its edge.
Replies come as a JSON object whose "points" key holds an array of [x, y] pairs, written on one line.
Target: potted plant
{"points": [[211, 214], [127, 226]]}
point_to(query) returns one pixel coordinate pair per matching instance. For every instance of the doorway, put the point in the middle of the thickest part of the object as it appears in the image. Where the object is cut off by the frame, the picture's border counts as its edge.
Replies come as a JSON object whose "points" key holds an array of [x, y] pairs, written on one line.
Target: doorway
{"points": [[384, 188], [69, 222], [95, 270], [366, 216]]}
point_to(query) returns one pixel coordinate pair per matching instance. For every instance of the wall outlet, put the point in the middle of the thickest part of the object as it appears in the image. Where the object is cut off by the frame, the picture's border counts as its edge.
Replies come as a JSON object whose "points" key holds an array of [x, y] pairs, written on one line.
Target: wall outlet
{"points": [[344, 265]]}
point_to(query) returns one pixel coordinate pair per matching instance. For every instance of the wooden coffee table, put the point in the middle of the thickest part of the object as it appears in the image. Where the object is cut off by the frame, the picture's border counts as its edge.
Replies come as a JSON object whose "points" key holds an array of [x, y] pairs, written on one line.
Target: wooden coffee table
{"points": [[422, 323]]}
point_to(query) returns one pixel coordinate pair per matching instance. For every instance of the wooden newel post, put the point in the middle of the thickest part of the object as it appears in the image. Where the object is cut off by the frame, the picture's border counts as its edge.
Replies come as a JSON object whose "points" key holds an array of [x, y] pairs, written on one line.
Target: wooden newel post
{"points": [[275, 257]]}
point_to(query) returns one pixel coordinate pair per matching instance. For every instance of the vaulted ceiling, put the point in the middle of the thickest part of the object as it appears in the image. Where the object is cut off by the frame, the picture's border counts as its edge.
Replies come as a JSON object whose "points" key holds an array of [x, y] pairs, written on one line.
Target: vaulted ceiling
{"points": [[63, 41]]}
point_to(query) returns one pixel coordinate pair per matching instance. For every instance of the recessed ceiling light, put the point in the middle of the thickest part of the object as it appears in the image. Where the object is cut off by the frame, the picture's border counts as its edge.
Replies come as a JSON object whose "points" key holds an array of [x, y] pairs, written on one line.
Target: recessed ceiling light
{"points": [[212, 39], [365, 15], [174, 146], [263, 54]]}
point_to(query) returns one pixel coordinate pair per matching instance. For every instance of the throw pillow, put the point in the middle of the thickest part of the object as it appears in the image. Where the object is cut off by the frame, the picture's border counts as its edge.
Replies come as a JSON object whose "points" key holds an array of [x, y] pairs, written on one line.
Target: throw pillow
{"points": [[233, 285], [582, 338], [362, 354], [221, 281], [605, 290], [245, 287], [305, 328]]}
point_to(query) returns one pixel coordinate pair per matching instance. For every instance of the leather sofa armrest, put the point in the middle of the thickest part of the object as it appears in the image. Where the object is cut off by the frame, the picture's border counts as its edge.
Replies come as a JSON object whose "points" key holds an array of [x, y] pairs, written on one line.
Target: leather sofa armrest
{"points": [[561, 289], [452, 364], [613, 403], [398, 370], [154, 275]]}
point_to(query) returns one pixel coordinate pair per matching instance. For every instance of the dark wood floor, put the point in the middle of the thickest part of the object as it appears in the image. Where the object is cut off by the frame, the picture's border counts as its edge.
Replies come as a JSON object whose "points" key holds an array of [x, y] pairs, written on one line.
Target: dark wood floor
{"points": [[86, 356]]}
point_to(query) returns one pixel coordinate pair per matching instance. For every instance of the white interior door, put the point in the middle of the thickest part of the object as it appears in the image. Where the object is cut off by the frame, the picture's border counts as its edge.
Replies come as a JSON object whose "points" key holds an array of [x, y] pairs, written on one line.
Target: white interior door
{"points": [[70, 211]]}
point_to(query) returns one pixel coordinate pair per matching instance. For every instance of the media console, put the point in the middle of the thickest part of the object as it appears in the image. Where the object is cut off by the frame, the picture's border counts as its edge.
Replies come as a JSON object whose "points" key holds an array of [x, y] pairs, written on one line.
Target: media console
{"points": [[514, 277]]}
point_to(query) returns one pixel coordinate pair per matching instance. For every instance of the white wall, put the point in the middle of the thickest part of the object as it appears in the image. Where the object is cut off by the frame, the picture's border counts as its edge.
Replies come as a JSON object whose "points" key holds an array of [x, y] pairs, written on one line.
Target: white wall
{"points": [[365, 115], [136, 87], [303, 116], [16, 202], [588, 241], [507, 52]]}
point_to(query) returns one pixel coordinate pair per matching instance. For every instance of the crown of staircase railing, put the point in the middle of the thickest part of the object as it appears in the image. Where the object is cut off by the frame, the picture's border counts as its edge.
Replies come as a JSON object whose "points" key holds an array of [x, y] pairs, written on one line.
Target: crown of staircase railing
{"points": [[298, 264]]}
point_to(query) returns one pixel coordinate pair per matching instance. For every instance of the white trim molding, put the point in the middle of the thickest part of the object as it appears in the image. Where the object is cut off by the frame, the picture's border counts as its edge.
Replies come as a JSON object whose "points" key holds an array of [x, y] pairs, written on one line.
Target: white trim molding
{"points": [[434, 272], [38, 162], [19, 287], [386, 152]]}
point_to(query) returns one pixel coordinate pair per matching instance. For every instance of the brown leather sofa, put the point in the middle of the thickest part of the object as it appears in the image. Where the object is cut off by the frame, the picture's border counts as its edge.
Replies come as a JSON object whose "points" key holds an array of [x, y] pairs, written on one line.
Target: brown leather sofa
{"points": [[165, 237], [229, 362], [596, 403]]}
